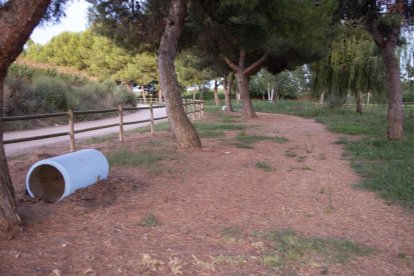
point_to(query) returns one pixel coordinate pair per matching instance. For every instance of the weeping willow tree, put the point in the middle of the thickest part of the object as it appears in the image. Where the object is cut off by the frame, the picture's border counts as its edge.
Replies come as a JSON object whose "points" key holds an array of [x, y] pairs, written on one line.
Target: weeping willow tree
{"points": [[354, 67]]}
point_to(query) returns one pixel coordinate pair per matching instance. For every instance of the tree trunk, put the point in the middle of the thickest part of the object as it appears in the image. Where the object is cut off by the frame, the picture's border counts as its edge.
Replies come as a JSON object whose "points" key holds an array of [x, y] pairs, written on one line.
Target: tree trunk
{"points": [[184, 132], [395, 100], [144, 96], [322, 98], [243, 85], [9, 218], [18, 18], [215, 91], [228, 83], [387, 45], [242, 75], [275, 94], [358, 105]]}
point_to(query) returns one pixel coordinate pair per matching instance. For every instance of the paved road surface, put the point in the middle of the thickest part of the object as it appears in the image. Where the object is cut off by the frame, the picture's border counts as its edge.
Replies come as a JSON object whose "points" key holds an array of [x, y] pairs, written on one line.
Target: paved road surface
{"points": [[17, 148]]}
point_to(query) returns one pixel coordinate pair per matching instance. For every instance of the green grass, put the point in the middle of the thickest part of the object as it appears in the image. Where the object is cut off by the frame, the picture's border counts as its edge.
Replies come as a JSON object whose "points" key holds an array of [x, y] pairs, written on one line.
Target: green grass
{"points": [[150, 220], [290, 250], [263, 165], [163, 126], [246, 141], [101, 139], [133, 158], [231, 233], [215, 130], [387, 167]]}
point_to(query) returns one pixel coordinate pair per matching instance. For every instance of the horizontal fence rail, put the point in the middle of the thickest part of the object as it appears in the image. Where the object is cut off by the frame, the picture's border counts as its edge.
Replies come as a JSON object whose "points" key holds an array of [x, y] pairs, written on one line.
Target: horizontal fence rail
{"points": [[197, 110]]}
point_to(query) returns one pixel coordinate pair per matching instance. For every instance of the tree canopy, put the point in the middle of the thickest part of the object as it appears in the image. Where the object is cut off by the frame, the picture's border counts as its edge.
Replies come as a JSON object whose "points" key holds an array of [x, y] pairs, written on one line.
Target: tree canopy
{"points": [[384, 20], [97, 55], [278, 35]]}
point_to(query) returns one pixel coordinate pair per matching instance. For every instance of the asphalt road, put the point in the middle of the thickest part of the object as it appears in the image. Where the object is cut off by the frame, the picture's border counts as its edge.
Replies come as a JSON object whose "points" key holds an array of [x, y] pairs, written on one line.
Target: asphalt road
{"points": [[22, 147]]}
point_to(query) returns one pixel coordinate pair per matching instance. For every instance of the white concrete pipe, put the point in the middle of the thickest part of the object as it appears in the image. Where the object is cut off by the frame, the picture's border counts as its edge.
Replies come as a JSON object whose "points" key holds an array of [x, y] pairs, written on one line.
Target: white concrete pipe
{"points": [[55, 178]]}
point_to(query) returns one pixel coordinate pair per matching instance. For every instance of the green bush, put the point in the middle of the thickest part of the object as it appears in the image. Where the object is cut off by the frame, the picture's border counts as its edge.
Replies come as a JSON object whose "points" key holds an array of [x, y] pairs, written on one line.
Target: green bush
{"points": [[45, 94], [51, 94]]}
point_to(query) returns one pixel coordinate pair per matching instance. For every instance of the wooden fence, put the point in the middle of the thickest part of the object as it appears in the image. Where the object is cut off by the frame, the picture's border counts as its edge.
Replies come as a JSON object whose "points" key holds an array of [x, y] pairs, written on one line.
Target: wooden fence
{"points": [[196, 110]]}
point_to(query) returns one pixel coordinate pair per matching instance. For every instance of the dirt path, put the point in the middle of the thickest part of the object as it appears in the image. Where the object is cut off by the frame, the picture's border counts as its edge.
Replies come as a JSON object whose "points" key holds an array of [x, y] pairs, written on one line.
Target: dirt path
{"points": [[18, 148], [226, 210]]}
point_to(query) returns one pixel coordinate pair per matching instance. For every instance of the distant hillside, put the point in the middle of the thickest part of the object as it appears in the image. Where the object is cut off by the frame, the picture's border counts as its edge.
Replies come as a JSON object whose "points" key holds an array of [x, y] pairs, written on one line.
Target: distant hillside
{"points": [[60, 69]]}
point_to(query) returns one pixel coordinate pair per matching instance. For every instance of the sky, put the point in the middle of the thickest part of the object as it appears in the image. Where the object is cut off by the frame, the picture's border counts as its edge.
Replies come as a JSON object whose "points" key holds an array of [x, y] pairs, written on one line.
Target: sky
{"points": [[75, 21]]}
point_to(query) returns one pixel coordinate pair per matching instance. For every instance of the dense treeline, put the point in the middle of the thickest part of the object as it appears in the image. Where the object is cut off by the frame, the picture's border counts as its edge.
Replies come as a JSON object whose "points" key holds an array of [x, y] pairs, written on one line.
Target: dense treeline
{"points": [[97, 55]]}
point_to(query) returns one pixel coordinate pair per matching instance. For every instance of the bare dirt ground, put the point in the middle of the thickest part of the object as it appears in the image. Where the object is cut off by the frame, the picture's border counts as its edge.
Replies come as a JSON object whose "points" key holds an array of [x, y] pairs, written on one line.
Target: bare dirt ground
{"points": [[217, 211]]}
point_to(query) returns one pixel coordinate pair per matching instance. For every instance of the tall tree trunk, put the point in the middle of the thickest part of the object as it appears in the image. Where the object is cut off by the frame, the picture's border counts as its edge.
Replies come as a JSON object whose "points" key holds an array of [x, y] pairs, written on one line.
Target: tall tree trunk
{"points": [[9, 218], [242, 75], [215, 92], [387, 45], [228, 83], [243, 86], [144, 96], [358, 105], [184, 132], [18, 18]]}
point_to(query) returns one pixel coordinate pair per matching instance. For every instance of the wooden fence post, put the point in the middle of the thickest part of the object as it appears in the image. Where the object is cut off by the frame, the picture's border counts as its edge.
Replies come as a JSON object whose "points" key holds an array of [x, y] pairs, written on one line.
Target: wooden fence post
{"points": [[151, 119], [202, 108], [121, 123], [185, 105], [193, 113], [71, 122], [199, 109]]}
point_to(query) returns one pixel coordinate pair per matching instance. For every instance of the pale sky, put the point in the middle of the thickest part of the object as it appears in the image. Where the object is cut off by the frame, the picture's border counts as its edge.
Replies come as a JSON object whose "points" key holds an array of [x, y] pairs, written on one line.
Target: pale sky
{"points": [[75, 21]]}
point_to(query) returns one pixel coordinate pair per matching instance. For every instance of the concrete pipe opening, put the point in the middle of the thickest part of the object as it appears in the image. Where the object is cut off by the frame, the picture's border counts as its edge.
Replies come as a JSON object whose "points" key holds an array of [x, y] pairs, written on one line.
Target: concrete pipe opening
{"points": [[47, 183], [55, 178]]}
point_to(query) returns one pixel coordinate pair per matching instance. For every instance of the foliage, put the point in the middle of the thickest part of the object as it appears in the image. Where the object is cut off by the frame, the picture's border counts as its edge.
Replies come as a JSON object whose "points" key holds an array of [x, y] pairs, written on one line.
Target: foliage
{"points": [[192, 70], [280, 28], [30, 91], [353, 65], [97, 55], [287, 84], [132, 25]]}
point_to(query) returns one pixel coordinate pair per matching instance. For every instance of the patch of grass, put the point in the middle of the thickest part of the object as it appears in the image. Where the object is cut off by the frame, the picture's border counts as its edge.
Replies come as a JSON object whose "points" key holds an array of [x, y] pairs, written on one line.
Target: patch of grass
{"points": [[289, 250], [249, 139], [280, 140], [133, 158], [246, 141], [101, 139], [301, 158], [163, 126], [150, 220], [243, 146], [263, 165], [214, 130], [290, 153], [231, 233], [228, 118]]}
